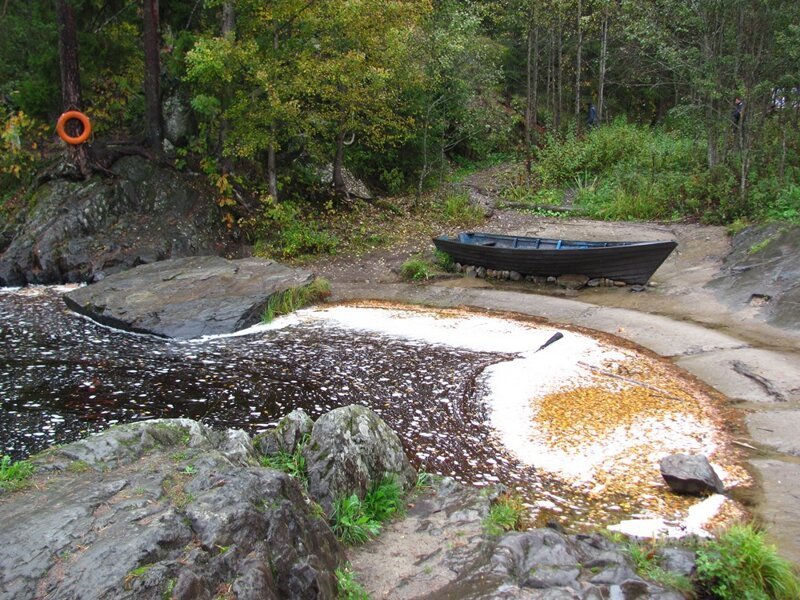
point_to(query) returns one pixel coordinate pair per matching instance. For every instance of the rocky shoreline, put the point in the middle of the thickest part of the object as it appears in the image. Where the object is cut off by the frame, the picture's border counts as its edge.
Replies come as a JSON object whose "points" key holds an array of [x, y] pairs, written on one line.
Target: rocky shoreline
{"points": [[172, 509]]}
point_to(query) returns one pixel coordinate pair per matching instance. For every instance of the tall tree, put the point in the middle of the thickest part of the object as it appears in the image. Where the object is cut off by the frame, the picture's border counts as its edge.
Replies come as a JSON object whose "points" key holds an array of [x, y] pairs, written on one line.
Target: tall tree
{"points": [[71, 95], [152, 79]]}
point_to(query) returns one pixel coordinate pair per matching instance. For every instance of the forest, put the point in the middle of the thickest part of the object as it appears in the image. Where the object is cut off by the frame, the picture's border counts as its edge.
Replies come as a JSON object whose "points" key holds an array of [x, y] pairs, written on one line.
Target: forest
{"points": [[654, 109]]}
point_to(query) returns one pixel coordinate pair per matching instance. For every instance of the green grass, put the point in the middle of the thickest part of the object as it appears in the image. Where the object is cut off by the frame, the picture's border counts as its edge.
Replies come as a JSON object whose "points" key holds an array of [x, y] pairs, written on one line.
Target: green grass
{"points": [[295, 298], [416, 269], [355, 521], [457, 208], [506, 514], [347, 586], [758, 247], [645, 558], [14, 475], [293, 464], [741, 565]]}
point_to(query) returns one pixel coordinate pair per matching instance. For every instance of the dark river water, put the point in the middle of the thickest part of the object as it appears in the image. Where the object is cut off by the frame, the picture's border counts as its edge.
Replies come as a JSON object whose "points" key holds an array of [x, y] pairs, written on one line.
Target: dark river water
{"points": [[63, 376]]}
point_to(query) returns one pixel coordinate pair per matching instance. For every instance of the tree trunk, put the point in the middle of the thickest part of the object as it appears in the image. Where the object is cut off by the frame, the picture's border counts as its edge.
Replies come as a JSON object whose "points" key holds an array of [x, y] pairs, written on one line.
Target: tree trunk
{"points": [[71, 98], [339, 185], [528, 102], [228, 31], [559, 73], [601, 84], [152, 75], [578, 57], [272, 168]]}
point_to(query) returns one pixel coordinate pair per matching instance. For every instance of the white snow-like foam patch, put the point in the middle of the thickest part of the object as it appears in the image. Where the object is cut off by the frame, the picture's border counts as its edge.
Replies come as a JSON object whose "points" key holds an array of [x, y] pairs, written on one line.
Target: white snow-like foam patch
{"points": [[698, 517]]}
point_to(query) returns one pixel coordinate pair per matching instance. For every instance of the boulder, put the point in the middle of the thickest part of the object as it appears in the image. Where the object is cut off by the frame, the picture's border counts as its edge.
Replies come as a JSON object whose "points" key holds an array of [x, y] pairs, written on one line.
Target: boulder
{"points": [[82, 231], [690, 474], [160, 509], [350, 451], [187, 297], [289, 432]]}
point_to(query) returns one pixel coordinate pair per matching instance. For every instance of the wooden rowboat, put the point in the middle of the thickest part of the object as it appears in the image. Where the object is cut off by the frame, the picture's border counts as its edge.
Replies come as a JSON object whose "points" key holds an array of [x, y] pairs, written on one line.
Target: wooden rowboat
{"points": [[631, 262]]}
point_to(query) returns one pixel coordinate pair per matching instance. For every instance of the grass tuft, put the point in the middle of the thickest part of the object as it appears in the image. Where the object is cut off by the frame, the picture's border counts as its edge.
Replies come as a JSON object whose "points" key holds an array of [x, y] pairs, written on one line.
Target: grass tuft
{"points": [[14, 475], [741, 564], [355, 521], [293, 464], [295, 298], [506, 514], [347, 586], [645, 558], [416, 269]]}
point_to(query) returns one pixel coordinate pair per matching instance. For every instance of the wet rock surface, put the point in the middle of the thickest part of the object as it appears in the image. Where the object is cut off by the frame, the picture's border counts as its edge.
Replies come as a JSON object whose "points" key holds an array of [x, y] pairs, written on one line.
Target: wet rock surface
{"points": [[690, 474], [163, 509], [84, 231], [186, 298]]}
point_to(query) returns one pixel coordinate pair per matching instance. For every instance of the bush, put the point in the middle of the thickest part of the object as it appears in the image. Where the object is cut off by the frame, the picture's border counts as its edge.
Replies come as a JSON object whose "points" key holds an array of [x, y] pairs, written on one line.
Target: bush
{"points": [[283, 231], [740, 565], [458, 209]]}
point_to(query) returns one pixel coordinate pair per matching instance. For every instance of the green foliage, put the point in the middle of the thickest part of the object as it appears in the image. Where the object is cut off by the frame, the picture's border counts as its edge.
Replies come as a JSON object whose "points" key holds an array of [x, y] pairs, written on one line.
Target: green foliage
{"points": [[293, 464], [283, 232], [741, 565], [295, 298], [759, 246], [355, 521], [416, 269], [13, 475], [645, 558], [347, 586], [506, 514]]}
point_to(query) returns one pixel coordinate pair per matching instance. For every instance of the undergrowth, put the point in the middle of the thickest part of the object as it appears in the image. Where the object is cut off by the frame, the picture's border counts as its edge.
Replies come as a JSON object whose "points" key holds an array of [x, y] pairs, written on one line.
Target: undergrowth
{"points": [[293, 299]]}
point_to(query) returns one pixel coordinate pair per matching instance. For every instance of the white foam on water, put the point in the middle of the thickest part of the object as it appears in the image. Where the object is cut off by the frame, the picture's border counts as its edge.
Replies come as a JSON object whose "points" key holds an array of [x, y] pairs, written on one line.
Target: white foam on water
{"points": [[700, 515]]}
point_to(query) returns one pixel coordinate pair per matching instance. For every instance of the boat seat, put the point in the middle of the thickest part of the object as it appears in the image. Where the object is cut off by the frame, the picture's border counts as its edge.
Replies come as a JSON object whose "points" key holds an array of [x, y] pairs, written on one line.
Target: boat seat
{"points": [[488, 243]]}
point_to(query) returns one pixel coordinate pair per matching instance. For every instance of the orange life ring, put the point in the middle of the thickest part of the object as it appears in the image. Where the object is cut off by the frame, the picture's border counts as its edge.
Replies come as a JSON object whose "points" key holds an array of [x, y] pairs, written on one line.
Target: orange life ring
{"points": [[69, 116]]}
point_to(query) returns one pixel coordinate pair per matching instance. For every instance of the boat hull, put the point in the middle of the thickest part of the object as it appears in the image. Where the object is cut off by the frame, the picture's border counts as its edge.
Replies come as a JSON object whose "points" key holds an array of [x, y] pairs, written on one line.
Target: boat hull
{"points": [[631, 262]]}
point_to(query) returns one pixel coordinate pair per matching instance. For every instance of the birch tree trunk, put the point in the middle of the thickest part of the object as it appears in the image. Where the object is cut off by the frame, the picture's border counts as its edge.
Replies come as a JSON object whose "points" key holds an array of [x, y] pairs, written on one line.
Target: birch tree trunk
{"points": [[603, 59], [578, 57]]}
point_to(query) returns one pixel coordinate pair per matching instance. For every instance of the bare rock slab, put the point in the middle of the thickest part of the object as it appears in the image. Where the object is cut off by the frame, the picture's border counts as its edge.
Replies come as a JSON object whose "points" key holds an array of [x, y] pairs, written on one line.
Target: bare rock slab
{"points": [[186, 298]]}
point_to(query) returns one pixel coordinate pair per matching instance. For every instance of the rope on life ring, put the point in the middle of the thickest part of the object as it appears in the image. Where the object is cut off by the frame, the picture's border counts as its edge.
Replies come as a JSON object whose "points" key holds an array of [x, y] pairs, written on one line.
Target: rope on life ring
{"points": [[78, 116]]}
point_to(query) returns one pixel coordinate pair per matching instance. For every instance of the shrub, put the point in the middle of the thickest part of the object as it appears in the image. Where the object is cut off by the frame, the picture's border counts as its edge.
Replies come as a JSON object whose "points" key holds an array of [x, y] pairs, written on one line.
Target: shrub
{"points": [[295, 298], [741, 565], [13, 475], [283, 231]]}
